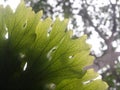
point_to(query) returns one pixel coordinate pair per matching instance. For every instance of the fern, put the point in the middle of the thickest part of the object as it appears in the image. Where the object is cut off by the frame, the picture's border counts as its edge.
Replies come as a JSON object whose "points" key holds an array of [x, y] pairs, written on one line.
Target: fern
{"points": [[41, 54]]}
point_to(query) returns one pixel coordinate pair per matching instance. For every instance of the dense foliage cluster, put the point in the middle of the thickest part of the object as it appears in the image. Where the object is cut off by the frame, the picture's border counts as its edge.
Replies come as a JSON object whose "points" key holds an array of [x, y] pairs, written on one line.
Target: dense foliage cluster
{"points": [[100, 20]]}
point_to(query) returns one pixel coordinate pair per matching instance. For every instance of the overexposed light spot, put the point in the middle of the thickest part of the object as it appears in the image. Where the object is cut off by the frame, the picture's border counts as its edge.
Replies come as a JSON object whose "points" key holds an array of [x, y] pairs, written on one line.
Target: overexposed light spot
{"points": [[100, 3], [115, 62], [113, 1], [59, 15], [103, 70], [49, 55], [6, 35], [86, 82], [114, 44], [25, 66], [107, 74], [76, 11], [97, 78], [79, 21], [71, 1], [100, 71], [58, 8], [118, 49], [90, 8], [70, 57], [70, 25], [108, 66], [119, 58], [118, 84], [13, 3], [95, 42], [53, 3], [76, 4]]}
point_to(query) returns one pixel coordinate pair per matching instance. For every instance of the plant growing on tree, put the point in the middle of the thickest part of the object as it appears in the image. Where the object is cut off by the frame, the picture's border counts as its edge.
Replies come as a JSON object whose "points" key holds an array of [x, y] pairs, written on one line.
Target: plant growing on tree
{"points": [[42, 54]]}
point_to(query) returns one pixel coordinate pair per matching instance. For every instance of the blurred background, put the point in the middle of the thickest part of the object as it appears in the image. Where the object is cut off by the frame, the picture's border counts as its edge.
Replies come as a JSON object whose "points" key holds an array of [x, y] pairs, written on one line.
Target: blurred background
{"points": [[99, 19]]}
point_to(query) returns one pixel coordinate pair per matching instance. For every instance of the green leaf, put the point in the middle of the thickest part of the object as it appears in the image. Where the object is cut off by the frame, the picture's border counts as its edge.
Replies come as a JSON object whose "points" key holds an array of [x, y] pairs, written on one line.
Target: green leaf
{"points": [[87, 82], [54, 59]]}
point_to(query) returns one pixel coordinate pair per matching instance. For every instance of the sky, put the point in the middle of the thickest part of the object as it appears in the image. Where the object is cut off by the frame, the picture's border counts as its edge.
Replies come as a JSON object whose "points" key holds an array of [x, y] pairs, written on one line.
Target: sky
{"points": [[14, 3]]}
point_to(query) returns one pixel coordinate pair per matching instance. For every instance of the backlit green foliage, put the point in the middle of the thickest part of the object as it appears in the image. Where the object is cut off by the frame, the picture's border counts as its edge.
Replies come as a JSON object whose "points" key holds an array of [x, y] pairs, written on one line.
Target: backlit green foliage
{"points": [[53, 59]]}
